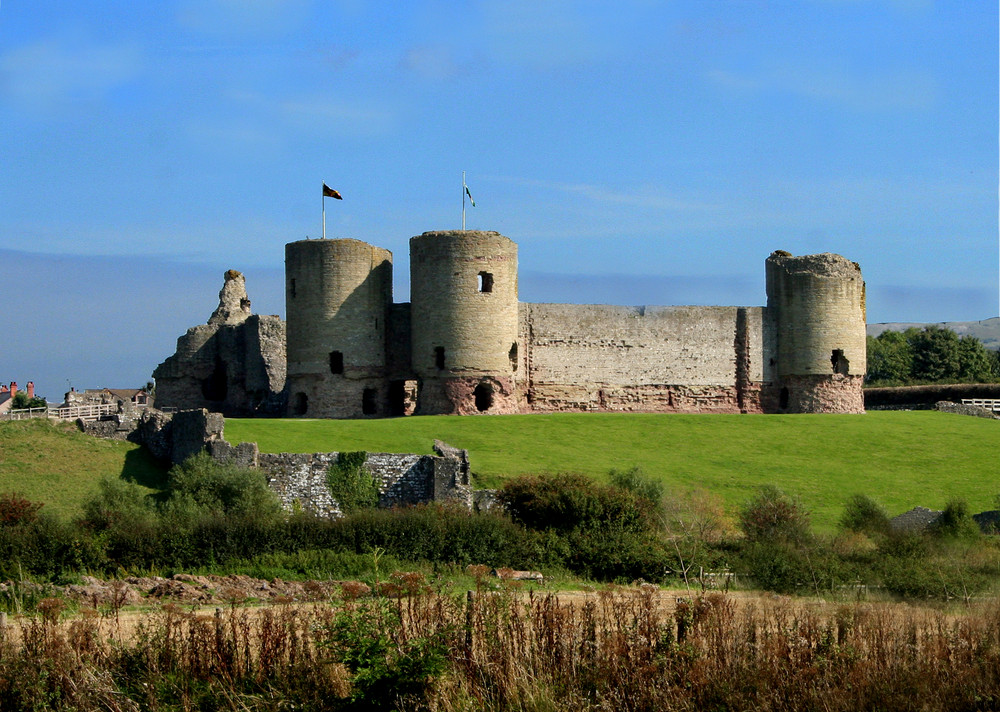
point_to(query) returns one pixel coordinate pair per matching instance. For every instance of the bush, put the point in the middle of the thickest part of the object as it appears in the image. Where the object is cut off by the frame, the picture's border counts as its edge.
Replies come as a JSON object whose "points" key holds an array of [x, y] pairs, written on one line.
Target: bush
{"points": [[772, 516], [955, 522], [16, 509], [862, 514], [204, 486], [634, 480], [350, 484], [570, 502]]}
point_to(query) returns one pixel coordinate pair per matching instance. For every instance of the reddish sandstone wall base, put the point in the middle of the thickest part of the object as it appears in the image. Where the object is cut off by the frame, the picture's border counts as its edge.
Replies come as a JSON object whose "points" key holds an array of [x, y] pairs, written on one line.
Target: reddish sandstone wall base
{"points": [[458, 396], [815, 394], [650, 398]]}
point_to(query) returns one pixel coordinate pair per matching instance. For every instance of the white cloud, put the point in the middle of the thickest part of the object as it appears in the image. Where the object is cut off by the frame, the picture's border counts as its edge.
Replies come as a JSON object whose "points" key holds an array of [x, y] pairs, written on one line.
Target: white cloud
{"points": [[44, 75], [864, 92]]}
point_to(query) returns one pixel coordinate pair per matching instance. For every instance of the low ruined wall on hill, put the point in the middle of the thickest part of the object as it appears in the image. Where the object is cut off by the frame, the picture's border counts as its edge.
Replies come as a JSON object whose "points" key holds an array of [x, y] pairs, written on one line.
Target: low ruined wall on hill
{"points": [[299, 479], [925, 397]]}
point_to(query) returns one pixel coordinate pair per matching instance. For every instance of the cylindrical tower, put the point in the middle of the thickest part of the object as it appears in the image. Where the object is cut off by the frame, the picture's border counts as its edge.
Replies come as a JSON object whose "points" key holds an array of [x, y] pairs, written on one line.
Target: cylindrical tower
{"points": [[817, 304], [337, 299], [463, 293]]}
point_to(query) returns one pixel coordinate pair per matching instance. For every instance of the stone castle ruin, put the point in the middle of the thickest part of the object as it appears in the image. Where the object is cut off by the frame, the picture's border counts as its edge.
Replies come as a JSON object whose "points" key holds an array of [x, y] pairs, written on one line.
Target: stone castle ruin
{"points": [[464, 344]]}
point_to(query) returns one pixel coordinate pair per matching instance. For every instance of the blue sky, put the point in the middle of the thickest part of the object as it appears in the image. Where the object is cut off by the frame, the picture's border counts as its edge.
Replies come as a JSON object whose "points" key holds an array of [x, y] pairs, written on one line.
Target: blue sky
{"points": [[640, 151]]}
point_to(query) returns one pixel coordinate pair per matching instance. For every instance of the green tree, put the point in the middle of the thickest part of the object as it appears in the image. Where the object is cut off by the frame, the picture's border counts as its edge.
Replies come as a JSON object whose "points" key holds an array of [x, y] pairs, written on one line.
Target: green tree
{"points": [[935, 354], [975, 363], [890, 359], [22, 402]]}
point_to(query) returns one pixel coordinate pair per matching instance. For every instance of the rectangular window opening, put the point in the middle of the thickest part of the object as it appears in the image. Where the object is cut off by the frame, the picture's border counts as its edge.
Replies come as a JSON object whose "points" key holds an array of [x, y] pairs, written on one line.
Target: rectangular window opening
{"points": [[486, 282], [336, 362], [369, 401]]}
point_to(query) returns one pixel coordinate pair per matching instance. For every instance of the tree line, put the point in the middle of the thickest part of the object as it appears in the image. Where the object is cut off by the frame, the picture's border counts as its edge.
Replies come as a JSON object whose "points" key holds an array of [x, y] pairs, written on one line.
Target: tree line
{"points": [[932, 354]]}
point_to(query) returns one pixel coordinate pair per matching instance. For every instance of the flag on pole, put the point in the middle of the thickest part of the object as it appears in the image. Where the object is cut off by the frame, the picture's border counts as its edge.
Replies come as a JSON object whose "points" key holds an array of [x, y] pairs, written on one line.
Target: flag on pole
{"points": [[329, 192], [470, 196]]}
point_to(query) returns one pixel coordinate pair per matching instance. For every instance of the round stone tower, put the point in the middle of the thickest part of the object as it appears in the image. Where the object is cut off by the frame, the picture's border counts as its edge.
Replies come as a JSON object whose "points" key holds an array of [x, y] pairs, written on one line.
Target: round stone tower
{"points": [[463, 293], [337, 299], [817, 307]]}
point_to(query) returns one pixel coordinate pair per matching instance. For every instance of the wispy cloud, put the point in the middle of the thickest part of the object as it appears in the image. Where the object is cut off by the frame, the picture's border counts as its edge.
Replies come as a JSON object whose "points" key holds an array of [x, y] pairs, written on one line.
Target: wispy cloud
{"points": [[644, 196], [45, 75], [838, 86]]}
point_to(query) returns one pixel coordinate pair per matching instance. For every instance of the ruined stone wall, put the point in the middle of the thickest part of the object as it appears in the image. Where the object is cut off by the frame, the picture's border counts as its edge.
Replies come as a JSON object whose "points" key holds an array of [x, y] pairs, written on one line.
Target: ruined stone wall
{"points": [[597, 357], [338, 295], [234, 364], [300, 479], [464, 321]]}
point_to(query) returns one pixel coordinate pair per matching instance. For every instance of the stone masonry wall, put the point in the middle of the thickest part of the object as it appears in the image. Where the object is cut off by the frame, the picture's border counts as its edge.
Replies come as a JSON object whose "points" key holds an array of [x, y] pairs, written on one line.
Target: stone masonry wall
{"points": [[301, 479], [598, 357]]}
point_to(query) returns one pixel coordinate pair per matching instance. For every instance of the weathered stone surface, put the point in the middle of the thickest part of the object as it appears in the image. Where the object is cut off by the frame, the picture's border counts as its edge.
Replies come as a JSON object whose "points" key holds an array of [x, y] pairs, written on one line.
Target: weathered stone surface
{"points": [[192, 430], [234, 364], [300, 480], [465, 345], [234, 304], [918, 519], [962, 409]]}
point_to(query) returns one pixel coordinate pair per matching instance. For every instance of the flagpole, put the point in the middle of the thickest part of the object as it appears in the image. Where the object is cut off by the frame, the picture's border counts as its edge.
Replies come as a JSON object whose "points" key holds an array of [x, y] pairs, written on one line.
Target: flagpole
{"points": [[463, 201], [324, 211]]}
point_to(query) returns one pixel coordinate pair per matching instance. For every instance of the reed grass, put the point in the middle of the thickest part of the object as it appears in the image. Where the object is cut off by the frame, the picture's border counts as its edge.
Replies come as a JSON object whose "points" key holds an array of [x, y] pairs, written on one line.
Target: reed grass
{"points": [[404, 644]]}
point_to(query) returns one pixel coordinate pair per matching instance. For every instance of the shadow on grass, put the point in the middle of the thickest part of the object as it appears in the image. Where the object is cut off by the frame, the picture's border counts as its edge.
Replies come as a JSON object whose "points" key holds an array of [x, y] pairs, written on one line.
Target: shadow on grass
{"points": [[143, 469]]}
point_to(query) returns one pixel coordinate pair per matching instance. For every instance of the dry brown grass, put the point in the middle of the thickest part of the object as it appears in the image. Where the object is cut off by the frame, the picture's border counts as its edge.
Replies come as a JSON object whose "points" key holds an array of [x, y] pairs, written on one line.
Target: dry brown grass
{"points": [[636, 648]]}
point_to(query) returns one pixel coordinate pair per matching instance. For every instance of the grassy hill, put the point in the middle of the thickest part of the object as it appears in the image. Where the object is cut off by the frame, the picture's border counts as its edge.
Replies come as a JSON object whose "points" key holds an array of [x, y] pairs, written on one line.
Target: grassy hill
{"points": [[986, 330], [902, 459], [55, 463]]}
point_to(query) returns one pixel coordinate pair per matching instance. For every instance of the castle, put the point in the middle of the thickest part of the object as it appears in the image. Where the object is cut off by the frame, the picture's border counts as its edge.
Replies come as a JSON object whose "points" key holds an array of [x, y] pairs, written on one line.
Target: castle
{"points": [[464, 344]]}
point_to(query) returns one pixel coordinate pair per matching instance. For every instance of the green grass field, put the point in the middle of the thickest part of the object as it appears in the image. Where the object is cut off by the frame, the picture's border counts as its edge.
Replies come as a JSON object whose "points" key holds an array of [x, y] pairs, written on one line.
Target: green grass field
{"points": [[901, 459], [56, 464]]}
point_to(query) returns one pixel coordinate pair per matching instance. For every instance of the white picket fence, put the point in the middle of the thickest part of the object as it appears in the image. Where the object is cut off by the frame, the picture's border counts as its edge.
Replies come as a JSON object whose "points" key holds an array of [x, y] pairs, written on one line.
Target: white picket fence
{"points": [[72, 412], [992, 404]]}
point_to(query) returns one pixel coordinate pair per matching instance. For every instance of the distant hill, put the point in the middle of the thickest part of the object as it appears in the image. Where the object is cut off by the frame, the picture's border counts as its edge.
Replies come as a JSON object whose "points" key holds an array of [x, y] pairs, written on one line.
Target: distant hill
{"points": [[987, 330]]}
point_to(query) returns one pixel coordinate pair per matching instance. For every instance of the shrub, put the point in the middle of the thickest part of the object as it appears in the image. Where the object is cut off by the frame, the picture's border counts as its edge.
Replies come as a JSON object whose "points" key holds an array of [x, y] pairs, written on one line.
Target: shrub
{"points": [[350, 484], [569, 502], [955, 522], [16, 509], [772, 516], [204, 486], [862, 514], [634, 480]]}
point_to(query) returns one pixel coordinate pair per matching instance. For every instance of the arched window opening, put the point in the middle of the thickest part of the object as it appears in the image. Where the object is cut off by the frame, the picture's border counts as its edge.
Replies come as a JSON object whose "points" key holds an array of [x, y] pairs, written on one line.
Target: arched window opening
{"points": [[301, 404], [336, 362], [512, 355], [483, 395], [486, 282], [439, 358], [369, 401]]}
